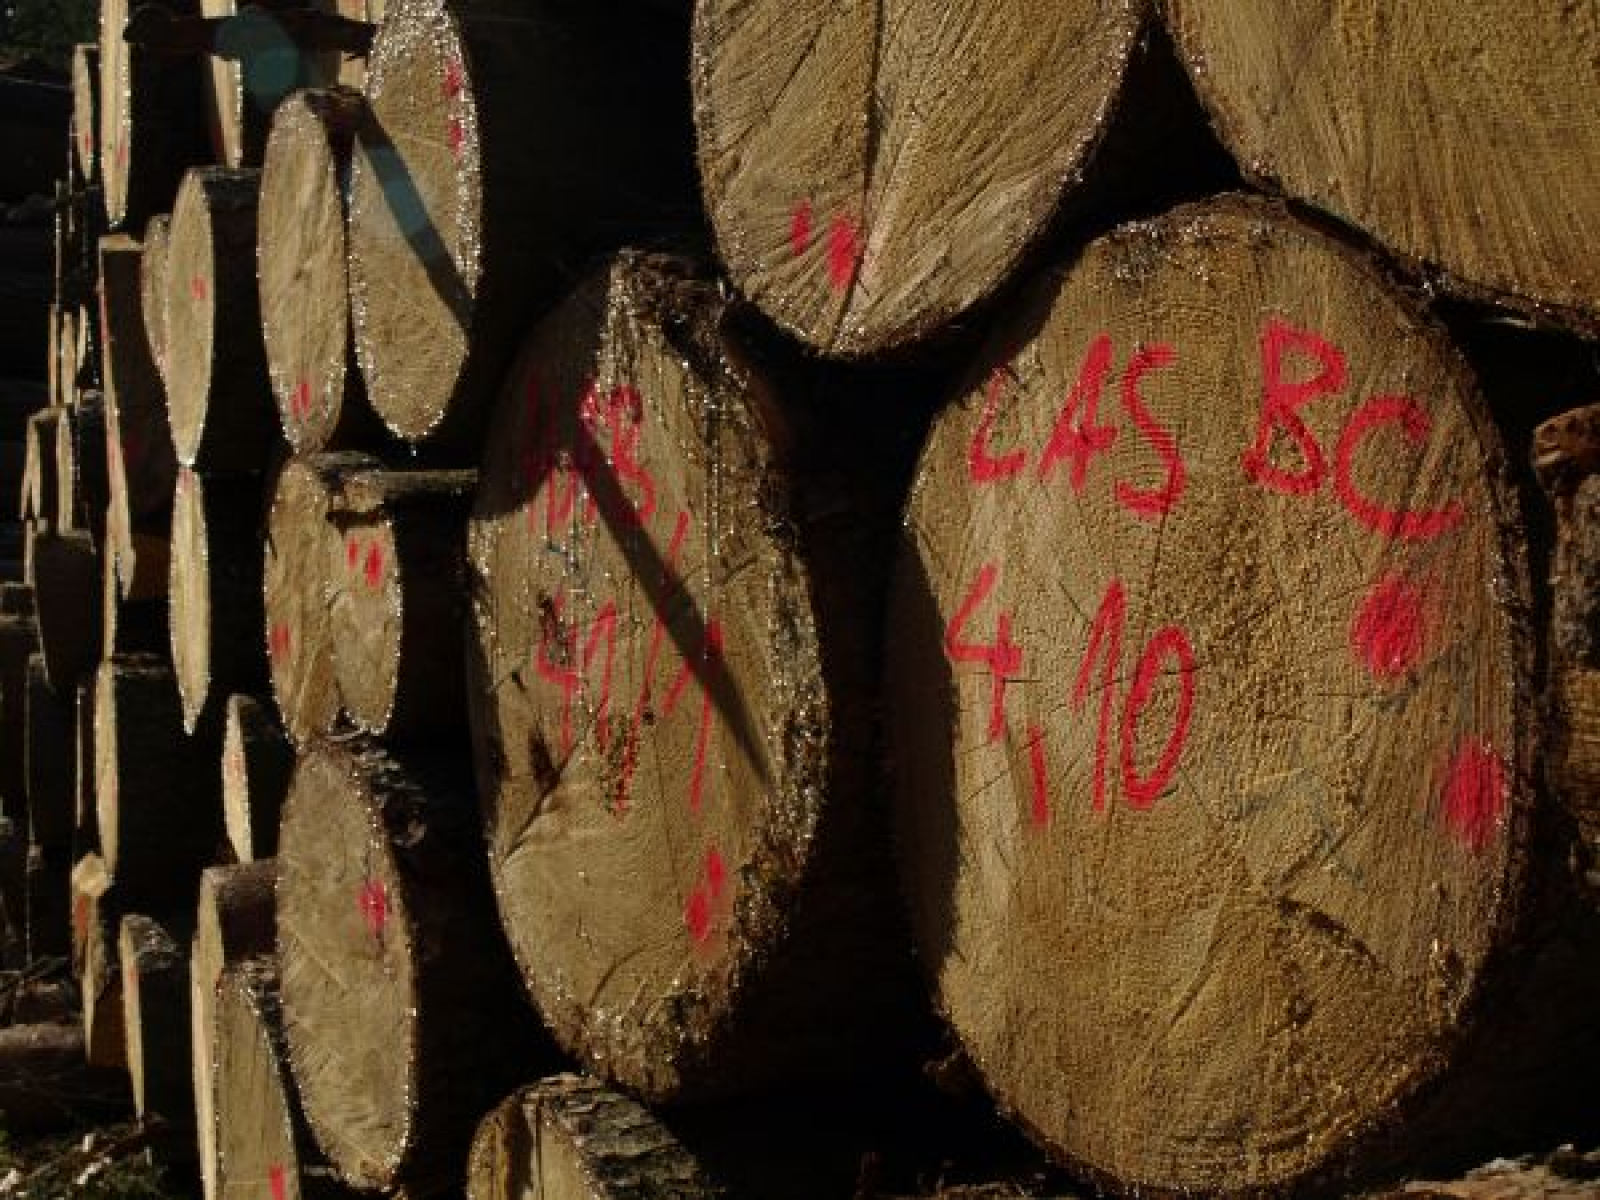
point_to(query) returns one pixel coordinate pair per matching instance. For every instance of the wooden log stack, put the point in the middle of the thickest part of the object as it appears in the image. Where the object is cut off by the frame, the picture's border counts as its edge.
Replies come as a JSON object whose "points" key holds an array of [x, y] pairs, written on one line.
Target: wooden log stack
{"points": [[951, 604]]}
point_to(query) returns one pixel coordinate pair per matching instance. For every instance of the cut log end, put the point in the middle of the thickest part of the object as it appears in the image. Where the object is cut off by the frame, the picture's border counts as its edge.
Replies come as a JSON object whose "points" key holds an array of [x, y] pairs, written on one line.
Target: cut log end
{"points": [[153, 287], [257, 761], [570, 1136], [1209, 684], [155, 1005], [304, 280], [873, 135]]}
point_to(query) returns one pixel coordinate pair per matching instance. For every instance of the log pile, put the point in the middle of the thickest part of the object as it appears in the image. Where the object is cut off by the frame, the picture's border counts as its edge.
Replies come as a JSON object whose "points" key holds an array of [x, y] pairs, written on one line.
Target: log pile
{"points": [[780, 602]]}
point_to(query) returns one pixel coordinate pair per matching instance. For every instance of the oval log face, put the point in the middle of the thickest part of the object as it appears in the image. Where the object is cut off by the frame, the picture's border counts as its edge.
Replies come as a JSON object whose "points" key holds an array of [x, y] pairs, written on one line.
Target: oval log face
{"points": [[654, 683], [349, 992], [872, 170], [366, 620], [257, 1153], [1461, 136], [189, 595], [1207, 649]]}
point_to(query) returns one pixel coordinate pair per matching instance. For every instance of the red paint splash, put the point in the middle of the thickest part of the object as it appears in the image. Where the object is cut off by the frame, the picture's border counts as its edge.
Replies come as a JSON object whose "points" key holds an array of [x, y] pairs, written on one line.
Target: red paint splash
{"points": [[1475, 792], [1415, 426], [277, 1182], [300, 401], [452, 79], [278, 640], [1039, 811], [122, 152], [458, 136], [697, 915], [372, 568], [198, 289], [800, 228], [352, 552], [716, 873], [844, 252], [374, 901], [1390, 630]]}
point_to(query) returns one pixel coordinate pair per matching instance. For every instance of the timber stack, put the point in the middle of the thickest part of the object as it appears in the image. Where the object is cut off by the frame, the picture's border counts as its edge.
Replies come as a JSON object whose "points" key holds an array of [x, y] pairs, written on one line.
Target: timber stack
{"points": [[767, 602]]}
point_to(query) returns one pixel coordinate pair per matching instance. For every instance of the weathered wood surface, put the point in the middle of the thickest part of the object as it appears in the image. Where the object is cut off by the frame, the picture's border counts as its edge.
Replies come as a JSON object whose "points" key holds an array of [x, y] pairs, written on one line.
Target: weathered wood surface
{"points": [[1210, 680]]}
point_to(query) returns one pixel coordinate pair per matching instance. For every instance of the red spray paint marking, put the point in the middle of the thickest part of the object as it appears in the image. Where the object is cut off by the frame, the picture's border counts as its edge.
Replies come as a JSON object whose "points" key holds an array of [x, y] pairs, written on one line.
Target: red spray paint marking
{"points": [[1039, 811], [197, 288], [1142, 792], [1390, 630], [800, 228], [1004, 658], [352, 552], [1281, 403], [300, 401], [697, 915], [711, 654], [122, 151], [569, 672], [658, 629], [452, 79], [844, 252], [716, 873], [374, 901], [1475, 792], [1151, 502], [277, 1182], [622, 415], [372, 568], [1415, 425], [278, 640], [1106, 630], [1078, 434], [982, 467], [458, 136]]}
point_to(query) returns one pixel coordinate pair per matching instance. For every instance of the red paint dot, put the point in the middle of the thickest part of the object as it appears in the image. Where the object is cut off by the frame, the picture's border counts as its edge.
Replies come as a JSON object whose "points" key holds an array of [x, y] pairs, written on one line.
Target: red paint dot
{"points": [[352, 552], [844, 252], [716, 873], [452, 79], [374, 901], [1390, 630], [300, 402], [278, 640], [122, 153], [800, 228], [197, 288], [458, 136], [697, 915], [1475, 792], [276, 1181], [373, 567]]}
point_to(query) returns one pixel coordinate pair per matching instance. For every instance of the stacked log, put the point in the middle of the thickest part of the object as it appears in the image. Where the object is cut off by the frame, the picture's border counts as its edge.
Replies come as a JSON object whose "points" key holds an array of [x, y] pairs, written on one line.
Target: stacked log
{"points": [[155, 1018], [257, 761]]}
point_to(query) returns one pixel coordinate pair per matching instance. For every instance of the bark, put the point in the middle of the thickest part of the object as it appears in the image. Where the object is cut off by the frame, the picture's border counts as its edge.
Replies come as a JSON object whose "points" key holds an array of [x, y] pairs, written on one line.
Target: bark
{"points": [[233, 923], [571, 1136], [301, 548], [214, 592], [140, 465], [397, 599], [257, 762], [155, 1016], [157, 791], [219, 396], [499, 152], [1459, 145], [400, 1002], [304, 276], [676, 593], [1216, 738], [151, 127]]}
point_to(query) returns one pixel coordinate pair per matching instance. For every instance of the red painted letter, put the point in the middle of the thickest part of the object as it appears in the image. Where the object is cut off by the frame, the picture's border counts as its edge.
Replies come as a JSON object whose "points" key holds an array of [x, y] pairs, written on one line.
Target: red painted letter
{"points": [[1395, 523], [981, 466], [1280, 405], [1142, 502], [1082, 443]]}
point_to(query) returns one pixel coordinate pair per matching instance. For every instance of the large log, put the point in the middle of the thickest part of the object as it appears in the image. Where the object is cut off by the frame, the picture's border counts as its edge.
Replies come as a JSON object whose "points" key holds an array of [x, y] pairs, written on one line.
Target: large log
{"points": [[397, 602], [155, 1018], [301, 549], [51, 762], [257, 762], [141, 467], [499, 152], [1391, 119], [400, 1002], [676, 598], [157, 791], [870, 179], [304, 273], [67, 585], [86, 108], [96, 917], [153, 287], [151, 126], [1215, 735], [219, 398], [571, 1136], [263, 1145], [233, 922], [214, 592]]}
